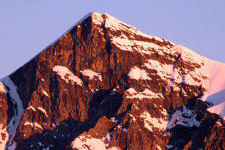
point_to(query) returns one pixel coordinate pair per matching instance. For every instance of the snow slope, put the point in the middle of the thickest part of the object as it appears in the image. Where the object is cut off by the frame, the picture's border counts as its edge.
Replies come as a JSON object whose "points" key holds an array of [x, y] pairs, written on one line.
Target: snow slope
{"points": [[216, 89]]}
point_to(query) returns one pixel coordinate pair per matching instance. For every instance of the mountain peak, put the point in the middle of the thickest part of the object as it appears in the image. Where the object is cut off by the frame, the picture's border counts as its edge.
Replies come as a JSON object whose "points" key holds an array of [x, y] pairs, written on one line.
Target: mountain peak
{"points": [[106, 82]]}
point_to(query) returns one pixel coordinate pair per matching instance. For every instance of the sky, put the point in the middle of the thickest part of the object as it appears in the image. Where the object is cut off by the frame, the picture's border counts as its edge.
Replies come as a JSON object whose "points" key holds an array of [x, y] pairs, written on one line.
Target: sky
{"points": [[29, 26]]}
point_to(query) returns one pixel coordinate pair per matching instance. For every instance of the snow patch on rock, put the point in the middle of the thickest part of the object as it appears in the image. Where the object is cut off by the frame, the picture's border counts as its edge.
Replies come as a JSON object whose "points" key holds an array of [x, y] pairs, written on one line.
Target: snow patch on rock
{"points": [[184, 117], [126, 44], [43, 110], [132, 91], [163, 70], [138, 74], [169, 146], [97, 18], [86, 142], [67, 75], [33, 125], [2, 88], [146, 94], [91, 74], [31, 107], [153, 123], [45, 93], [158, 147], [113, 119]]}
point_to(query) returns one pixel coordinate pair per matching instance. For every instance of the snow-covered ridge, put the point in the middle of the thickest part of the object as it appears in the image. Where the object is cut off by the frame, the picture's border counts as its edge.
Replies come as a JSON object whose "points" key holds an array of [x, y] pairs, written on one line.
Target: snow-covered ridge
{"points": [[218, 109], [114, 24], [129, 42], [216, 88], [18, 109], [67, 75], [217, 78]]}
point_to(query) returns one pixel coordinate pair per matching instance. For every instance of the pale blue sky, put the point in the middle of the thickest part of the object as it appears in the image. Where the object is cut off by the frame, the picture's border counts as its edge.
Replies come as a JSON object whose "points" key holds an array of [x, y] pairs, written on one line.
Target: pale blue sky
{"points": [[28, 26]]}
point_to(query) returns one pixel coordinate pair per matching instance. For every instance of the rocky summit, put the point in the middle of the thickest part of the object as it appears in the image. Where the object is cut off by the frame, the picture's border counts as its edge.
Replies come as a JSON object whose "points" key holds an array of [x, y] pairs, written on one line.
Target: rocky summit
{"points": [[104, 85]]}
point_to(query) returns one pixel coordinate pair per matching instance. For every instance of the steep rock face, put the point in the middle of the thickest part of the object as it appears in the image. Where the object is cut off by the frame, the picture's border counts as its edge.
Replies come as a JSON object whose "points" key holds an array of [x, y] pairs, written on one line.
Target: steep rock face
{"points": [[106, 85]]}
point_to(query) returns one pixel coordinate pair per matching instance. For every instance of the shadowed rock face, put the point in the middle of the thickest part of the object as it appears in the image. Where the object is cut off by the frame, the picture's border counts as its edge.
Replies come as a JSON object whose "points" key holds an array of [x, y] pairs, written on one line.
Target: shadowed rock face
{"points": [[106, 85]]}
